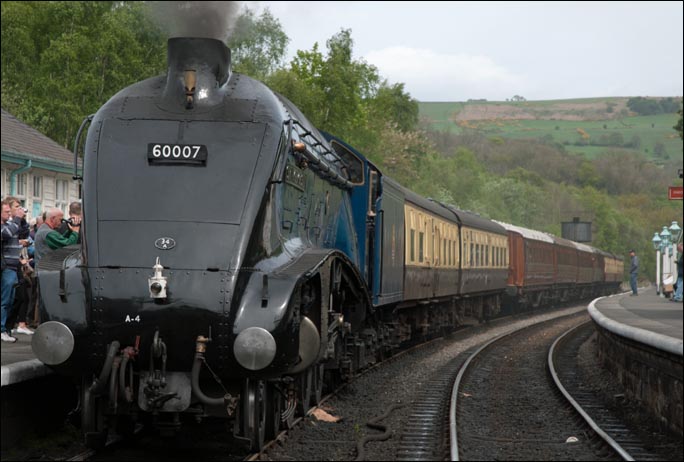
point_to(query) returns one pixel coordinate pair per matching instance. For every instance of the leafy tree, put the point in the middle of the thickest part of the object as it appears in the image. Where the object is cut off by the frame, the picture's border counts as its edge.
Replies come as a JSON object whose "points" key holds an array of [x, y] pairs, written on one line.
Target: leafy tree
{"points": [[257, 44], [649, 106], [345, 96], [634, 142], [392, 104], [71, 57], [659, 150], [678, 127]]}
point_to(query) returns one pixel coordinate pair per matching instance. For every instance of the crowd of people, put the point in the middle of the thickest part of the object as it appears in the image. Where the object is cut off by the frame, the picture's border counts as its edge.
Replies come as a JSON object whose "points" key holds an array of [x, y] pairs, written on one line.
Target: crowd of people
{"points": [[23, 245]]}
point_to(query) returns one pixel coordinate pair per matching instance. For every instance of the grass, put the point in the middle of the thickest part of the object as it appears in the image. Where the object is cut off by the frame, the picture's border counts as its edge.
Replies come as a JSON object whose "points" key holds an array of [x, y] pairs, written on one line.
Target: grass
{"points": [[579, 136]]}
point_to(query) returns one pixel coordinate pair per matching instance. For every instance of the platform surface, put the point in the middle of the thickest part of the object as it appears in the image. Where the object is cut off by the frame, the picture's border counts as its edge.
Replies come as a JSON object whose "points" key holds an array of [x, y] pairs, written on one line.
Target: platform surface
{"points": [[19, 363], [645, 311]]}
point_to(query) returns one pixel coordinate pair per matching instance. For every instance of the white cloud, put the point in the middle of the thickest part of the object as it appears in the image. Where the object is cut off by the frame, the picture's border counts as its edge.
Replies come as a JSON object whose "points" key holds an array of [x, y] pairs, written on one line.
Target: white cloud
{"points": [[433, 76]]}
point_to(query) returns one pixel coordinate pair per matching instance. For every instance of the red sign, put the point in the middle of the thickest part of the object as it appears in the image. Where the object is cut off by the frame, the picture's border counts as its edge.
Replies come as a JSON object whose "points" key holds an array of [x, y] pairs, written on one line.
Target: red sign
{"points": [[675, 193]]}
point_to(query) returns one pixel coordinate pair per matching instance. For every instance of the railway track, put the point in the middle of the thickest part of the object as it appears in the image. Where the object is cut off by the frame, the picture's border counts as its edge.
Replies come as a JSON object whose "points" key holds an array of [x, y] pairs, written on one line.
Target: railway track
{"points": [[527, 413], [504, 406], [610, 428], [421, 382]]}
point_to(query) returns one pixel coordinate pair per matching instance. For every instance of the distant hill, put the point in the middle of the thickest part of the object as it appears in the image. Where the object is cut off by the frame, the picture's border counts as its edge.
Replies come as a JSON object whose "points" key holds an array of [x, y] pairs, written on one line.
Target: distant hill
{"points": [[588, 126]]}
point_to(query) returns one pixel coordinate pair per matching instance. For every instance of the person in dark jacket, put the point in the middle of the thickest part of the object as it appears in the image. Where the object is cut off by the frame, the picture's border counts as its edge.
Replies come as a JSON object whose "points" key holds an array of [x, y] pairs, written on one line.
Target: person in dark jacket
{"points": [[22, 289], [10, 262], [633, 271]]}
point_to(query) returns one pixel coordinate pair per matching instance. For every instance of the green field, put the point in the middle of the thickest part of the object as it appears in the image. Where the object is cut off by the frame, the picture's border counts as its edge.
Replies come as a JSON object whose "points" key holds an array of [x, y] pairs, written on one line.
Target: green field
{"points": [[594, 130]]}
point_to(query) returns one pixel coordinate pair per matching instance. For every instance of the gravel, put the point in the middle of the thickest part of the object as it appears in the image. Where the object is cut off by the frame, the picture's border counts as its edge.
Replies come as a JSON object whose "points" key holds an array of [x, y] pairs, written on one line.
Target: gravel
{"points": [[399, 381]]}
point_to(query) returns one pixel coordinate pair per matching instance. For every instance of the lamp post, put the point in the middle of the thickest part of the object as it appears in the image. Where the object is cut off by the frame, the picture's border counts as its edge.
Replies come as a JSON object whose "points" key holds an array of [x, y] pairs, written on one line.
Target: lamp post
{"points": [[676, 232], [665, 246], [656, 245]]}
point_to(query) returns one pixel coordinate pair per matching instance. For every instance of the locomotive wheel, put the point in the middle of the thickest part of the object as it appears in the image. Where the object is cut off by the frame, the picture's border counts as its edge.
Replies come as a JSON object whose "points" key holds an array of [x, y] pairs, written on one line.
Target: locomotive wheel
{"points": [[254, 415], [93, 422], [304, 391], [318, 376], [275, 403]]}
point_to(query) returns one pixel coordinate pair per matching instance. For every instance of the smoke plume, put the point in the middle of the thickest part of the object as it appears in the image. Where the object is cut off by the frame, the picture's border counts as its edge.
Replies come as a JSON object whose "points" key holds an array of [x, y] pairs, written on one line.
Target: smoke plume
{"points": [[195, 18]]}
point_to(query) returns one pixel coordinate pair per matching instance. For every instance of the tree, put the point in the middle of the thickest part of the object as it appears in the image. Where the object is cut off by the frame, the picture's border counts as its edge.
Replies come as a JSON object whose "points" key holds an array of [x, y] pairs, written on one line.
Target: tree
{"points": [[678, 127], [257, 44], [71, 57], [392, 104], [659, 150]]}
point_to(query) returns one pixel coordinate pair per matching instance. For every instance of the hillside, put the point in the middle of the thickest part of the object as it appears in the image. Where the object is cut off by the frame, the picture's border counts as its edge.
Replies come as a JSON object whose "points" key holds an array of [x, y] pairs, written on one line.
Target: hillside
{"points": [[584, 126]]}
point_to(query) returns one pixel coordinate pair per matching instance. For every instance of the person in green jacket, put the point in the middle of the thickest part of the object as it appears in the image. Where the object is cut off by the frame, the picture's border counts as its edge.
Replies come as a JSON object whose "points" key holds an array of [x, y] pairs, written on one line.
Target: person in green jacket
{"points": [[48, 238]]}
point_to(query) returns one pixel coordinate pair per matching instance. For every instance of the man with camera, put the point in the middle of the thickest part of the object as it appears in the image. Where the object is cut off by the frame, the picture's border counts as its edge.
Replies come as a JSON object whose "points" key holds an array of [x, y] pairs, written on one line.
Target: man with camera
{"points": [[74, 214], [48, 238]]}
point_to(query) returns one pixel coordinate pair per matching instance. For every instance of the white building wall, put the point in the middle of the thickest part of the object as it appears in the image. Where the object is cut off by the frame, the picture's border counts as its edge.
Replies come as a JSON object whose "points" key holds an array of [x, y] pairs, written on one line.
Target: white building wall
{"points": [[48, 194]]}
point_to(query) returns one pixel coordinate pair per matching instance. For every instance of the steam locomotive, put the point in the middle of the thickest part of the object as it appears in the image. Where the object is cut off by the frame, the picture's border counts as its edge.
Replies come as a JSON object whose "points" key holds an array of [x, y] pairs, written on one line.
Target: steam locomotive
{"points": [[235, 259]]}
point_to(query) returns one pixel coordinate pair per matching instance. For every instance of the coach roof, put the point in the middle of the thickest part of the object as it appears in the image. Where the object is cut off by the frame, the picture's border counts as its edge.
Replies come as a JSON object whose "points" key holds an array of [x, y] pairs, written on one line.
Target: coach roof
{"points": [[527, 233]]}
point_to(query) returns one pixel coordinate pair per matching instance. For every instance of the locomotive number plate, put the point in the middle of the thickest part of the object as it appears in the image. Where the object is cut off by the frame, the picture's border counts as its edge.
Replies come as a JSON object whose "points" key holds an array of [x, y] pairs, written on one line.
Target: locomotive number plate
{"points": [[177, 154]]}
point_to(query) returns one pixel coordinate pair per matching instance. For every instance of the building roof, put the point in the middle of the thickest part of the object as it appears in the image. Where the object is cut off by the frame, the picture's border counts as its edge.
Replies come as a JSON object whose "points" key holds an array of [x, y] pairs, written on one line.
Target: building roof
{"points": [[27, 142]]}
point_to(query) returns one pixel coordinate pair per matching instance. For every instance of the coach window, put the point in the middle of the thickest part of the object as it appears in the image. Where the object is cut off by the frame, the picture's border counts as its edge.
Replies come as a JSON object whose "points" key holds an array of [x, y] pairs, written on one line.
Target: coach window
{"points": [[437, 247], [421, 237], [411, 233], [413, 245], [430, 251], [420, 246]]}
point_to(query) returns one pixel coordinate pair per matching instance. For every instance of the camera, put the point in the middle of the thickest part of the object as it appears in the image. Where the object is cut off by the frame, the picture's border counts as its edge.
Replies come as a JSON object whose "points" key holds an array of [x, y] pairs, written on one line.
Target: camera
{"points": [[70, 222]]}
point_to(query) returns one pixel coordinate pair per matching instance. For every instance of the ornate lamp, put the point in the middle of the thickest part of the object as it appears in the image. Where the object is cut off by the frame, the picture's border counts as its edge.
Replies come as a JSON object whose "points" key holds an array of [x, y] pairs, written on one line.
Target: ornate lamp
{"points": [[656, 241], [676, 231], [665, 235]]}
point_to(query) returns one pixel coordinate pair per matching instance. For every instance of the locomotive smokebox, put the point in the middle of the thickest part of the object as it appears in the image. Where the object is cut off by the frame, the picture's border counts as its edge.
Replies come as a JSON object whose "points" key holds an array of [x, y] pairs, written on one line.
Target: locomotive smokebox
{"points": [[198, 69]]}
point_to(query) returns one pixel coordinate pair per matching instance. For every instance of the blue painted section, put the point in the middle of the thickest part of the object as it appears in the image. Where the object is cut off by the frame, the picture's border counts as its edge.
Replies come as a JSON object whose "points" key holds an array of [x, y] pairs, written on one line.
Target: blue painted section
{"points": [[345, 237], [377, 249], [359, 206], [359, 201], [381, 252]]}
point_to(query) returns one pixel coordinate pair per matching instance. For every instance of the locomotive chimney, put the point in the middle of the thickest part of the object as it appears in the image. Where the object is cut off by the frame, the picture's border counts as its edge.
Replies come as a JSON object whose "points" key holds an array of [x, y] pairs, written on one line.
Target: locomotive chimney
{"points": [[198, 69]]}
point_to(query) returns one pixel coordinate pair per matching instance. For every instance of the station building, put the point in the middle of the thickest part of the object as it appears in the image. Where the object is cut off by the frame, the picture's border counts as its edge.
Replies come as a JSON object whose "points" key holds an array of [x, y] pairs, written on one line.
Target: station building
{"points": [[35, 169]]}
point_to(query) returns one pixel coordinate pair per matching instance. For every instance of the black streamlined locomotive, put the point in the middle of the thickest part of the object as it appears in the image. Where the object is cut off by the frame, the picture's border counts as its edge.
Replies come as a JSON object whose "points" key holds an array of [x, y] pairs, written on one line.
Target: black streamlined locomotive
{"points": [[234, 258]]}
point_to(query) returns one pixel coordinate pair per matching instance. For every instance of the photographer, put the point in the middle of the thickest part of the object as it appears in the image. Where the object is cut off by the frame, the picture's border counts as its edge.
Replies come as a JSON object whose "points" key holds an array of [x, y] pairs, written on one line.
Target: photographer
{"points": [[75, 215], [48, 238]]}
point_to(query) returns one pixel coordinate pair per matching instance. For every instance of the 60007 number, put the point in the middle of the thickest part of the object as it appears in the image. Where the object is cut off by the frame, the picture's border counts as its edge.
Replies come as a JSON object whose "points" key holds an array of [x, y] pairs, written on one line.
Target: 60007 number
{"points": [[176, 153]]}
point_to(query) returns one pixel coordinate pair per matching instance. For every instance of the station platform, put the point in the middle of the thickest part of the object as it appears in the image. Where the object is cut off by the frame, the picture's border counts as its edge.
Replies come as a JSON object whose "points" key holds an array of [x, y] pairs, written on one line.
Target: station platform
{"points": [[646, 318], [639, 340], [19, 363]]}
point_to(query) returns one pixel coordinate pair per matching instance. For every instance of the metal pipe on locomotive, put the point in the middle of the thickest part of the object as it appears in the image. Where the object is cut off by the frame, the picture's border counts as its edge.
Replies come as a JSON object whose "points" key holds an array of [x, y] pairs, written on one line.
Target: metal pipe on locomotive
{"points": [[234, 258]]}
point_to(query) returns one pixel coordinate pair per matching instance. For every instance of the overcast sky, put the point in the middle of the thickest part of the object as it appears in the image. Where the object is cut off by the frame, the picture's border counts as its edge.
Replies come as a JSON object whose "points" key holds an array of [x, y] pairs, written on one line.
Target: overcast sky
{"points": [[454, 51]]}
